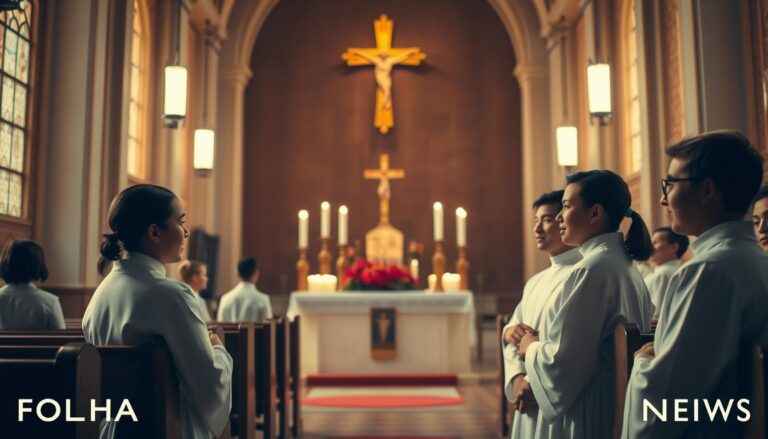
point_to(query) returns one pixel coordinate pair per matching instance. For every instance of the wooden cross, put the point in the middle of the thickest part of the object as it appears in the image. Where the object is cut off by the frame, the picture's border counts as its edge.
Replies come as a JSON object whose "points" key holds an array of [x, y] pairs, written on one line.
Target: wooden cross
{"points": [[384, 174], [383, 57]]}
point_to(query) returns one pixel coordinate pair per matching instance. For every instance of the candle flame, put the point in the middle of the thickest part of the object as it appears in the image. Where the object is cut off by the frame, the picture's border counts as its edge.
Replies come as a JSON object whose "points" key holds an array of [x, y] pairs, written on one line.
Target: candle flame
{"points": [[460, 212], [303, 214], [343, 210]]}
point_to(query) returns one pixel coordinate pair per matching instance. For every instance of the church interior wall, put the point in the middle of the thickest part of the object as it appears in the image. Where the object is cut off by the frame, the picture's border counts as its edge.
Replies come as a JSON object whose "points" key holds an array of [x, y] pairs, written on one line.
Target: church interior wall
{"points": [[457, 135]]}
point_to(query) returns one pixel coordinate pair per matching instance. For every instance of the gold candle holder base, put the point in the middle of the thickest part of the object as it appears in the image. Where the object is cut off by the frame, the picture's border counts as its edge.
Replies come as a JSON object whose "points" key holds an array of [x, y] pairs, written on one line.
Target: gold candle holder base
{"points": [[341, 265], [438, 265], [324, 257], [302, 270], [462, 267]]}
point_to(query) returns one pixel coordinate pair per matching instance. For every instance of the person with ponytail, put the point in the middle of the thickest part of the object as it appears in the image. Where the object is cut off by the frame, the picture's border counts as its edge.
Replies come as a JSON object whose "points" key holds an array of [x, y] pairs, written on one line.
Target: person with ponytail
{"points": [[569, 363], [715, 307], [136, 302]]}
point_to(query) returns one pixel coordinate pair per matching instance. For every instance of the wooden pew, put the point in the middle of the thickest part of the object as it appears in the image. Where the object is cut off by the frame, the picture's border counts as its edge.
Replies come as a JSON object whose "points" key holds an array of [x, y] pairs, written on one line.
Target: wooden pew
{"points": [[504, 412], [266, 378], [69, 372], [283, 365], [627, 339], [126, 372], [295, 376], [239, 339]]}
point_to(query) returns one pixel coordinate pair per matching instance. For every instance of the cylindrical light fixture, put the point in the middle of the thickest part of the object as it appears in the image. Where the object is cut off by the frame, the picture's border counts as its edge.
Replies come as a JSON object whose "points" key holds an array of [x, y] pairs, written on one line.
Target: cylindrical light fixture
{"points": [[599, 91], [567, 145], [175, 99], [205, 141]]}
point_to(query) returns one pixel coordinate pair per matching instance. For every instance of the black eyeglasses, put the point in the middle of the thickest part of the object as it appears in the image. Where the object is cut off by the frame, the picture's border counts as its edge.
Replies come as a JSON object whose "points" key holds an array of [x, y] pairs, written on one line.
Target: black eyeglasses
{"points": [[669, 181]]}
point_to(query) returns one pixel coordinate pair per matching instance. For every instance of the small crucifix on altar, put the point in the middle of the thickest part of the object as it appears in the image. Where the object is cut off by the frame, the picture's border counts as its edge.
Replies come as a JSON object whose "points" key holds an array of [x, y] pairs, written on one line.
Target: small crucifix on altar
{"points": [[383, 57], [384, 243]]}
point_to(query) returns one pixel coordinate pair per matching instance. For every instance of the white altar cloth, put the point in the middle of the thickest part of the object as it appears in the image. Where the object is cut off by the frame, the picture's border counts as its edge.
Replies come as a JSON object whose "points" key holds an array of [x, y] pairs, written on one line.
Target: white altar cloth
{"points": [[435, 331]]}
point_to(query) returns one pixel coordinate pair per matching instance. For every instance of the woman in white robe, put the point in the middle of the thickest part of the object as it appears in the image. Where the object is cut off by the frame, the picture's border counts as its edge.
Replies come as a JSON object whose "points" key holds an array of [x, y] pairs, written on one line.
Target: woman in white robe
{"points": [[136, 302], [570, 362], [23, 306]]}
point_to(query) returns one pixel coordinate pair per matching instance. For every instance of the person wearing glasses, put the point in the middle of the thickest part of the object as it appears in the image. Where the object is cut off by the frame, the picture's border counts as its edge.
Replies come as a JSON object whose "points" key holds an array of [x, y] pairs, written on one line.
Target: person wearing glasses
{"points": [[760, 217], [715, 303], [668, 249]]}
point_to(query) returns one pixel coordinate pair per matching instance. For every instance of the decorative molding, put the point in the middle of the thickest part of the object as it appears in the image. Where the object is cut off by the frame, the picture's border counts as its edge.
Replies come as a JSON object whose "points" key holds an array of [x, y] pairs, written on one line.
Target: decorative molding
{"points": [[527, 72], [239, 75]]}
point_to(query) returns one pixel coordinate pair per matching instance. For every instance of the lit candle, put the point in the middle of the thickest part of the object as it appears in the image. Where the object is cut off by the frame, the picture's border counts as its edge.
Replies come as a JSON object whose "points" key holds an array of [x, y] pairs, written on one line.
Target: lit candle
{"points": [[437, 213], [325, 219], [451, 281], [461, 227], [303, 228], [343, 215], [415, 269]]}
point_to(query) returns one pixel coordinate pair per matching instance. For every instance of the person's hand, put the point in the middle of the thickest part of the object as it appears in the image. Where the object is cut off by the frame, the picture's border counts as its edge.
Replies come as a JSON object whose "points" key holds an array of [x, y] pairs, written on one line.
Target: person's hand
{"points": [[522, 395], [526, 341], [515, 333], [215, 340], [646, 351]]}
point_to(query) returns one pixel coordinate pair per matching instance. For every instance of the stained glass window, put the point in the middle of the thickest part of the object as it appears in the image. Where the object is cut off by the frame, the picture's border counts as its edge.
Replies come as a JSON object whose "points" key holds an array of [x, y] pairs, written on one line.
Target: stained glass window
{"points": [[137, 101], [16, 47]]}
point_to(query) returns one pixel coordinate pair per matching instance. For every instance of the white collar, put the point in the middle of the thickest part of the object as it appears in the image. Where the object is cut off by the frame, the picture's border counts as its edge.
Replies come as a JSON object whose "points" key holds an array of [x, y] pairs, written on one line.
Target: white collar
{"points": [[610, 241], [568, 257], [144, 262]]}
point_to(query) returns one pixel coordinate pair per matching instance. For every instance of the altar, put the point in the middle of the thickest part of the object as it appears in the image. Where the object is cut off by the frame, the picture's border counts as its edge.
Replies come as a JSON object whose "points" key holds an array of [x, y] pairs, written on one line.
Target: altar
{"points": [[434, 332]]}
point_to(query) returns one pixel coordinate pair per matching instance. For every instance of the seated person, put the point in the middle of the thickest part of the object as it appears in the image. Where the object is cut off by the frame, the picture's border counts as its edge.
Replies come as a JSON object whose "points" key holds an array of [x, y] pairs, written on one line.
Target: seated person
{"points": [[136, 302], [22, 305], [245, 303], [195, 274]]}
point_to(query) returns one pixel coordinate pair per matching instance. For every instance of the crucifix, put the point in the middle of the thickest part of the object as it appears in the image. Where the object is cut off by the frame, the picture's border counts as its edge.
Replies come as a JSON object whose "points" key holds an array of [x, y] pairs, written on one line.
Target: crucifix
{"points": [[384, 174], [383, 57]]}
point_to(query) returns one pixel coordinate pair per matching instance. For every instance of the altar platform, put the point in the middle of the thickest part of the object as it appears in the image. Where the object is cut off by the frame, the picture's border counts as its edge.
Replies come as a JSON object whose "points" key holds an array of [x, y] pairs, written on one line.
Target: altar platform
{"points": [[434, 332]]}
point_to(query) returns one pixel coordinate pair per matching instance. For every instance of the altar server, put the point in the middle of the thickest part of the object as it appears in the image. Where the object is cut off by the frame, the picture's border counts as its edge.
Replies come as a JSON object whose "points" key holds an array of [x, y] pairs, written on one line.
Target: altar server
{"points": [[245, 303], [527, 316], [569, 364], [760, 217], [668, 249], [23, 306], [716, 303], [136, 301]]}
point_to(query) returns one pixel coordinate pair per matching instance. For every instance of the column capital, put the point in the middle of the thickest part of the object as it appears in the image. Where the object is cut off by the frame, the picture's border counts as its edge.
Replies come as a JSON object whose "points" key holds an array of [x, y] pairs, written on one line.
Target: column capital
{"points": [[238, 75], [526, 72]]}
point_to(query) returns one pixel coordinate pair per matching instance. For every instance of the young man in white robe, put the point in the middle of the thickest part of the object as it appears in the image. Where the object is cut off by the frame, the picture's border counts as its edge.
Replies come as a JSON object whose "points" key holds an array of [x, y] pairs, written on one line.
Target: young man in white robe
{"points": [[668, 249], [760, 217], [245, 303], [715, 304], [527, 316], [570, 363]]}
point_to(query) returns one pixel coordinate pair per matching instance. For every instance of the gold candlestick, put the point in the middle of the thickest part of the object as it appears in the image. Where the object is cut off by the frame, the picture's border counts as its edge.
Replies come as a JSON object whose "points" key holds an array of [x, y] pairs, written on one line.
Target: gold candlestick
{"points": [[324, 257], [462, 266], [341, 265], [302, 270], [438, 265]]}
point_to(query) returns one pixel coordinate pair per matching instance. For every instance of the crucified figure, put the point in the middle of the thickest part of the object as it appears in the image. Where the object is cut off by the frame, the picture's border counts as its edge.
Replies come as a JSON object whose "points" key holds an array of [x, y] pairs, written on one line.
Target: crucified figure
{"points": [[383, 64]]}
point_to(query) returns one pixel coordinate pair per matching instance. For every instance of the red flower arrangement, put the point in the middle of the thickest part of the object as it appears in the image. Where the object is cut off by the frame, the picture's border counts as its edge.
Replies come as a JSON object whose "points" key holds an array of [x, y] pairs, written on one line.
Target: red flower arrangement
{"points": [[364, 275]]}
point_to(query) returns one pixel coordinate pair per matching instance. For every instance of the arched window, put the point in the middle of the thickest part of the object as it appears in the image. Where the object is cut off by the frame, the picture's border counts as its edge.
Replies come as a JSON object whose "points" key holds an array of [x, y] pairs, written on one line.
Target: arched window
{"points": [[16, 50], [632, 144], [137, 107]]}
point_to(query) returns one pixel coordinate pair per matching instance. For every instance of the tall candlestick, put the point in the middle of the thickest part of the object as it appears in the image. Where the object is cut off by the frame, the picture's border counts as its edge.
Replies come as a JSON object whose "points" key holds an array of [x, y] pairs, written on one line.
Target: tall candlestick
{"points": [[325, 219], [341, 266], [303, 228], [437, 213], [302, 270], [343, 216], [461, 227], [462, 266], [324, 257], [438, 265]]}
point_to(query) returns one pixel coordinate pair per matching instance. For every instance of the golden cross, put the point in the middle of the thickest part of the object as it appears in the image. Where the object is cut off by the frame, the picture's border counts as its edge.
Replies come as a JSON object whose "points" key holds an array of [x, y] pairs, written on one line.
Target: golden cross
{"points": [[384, 174], [383, 57]]}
